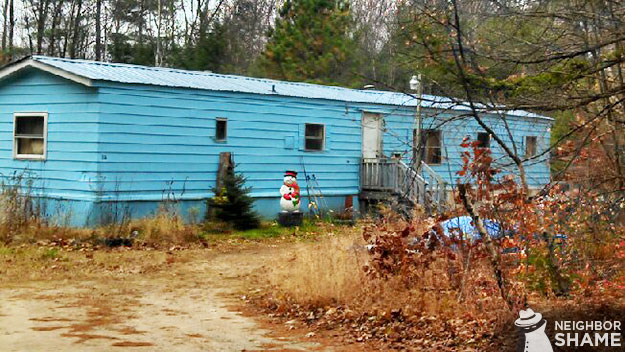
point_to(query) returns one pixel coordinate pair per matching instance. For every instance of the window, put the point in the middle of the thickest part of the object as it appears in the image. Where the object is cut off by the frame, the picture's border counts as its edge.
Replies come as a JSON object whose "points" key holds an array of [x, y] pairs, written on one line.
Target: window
{"points": [[221, 129], [530, 146], [484, 140], [315, 137], [29, 135], [431, 146]]}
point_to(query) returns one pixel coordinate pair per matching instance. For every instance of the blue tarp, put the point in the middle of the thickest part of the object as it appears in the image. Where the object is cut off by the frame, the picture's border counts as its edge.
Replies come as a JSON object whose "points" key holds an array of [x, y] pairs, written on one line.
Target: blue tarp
{"points": [[464, 225]]}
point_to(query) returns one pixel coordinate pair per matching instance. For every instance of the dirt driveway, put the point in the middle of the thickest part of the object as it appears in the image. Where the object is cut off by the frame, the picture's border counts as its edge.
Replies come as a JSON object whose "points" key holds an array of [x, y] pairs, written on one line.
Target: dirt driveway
{"points": [[177, 301]]}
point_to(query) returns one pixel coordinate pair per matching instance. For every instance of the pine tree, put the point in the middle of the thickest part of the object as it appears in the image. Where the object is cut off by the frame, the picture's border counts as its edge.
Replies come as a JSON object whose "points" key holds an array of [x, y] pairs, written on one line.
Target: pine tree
{"points": [[207, 53], [311, 42], [233, 204]]}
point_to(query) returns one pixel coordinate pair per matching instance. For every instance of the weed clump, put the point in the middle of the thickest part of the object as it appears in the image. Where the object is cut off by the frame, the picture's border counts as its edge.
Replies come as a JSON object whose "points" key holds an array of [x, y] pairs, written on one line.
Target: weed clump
{"points": [[165, 227], [18, 209]]}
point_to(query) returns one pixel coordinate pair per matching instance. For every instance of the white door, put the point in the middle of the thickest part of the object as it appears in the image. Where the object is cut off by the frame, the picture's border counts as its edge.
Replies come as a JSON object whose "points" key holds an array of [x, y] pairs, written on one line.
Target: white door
{"points": [[371, 136]]}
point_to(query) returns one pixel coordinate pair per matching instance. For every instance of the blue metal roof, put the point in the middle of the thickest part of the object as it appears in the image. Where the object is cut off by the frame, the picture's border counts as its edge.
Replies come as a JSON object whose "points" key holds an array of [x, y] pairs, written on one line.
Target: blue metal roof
{"points": [[159, 76]]}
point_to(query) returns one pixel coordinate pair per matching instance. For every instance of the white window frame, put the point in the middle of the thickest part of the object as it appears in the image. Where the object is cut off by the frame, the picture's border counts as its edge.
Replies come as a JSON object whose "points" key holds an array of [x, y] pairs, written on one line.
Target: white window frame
{"points": [[221, 119], [323, 138], [43, 156]]}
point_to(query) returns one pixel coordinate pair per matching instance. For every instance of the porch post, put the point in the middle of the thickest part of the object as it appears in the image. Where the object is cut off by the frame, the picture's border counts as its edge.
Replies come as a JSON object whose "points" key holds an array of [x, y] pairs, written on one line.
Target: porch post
{"points": [[416, 85]]}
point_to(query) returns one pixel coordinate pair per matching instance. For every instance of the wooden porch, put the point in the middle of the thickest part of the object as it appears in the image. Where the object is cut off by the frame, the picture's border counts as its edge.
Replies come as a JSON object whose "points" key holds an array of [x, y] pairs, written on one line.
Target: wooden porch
{"points": [[385, 179]]}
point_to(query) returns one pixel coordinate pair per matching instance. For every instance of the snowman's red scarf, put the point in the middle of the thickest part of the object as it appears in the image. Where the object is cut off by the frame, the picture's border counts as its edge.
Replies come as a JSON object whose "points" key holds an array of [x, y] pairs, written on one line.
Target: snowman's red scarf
{"points": [[294, 195]]}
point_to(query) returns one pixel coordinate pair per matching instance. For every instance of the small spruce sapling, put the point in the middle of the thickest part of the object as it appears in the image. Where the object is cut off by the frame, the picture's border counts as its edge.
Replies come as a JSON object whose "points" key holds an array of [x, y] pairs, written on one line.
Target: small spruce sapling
{"points": [[232, 203]]}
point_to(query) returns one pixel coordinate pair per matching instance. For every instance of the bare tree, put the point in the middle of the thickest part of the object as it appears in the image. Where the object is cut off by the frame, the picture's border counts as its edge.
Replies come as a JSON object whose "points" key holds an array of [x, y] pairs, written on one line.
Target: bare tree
{"points": [[98, 30], [75, 35], [41, 15], [11, 26], [5, 14], [56, 18]]}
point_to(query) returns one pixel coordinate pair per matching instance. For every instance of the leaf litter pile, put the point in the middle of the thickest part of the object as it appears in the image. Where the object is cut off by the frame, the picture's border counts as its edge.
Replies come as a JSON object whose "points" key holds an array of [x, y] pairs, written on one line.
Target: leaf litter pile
{"points": [[396, 294], [394, 285]]}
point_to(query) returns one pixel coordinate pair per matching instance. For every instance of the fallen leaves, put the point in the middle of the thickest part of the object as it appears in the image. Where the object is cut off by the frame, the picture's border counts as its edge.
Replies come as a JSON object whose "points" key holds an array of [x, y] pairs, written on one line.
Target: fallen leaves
{"points": [[393, 328]]}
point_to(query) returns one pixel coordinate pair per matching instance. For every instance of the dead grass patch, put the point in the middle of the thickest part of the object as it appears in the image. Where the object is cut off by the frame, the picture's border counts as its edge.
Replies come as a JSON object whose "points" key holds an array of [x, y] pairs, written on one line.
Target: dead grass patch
{"points": [[164, 228], [27, 264], [321, 273], [324, 286], [39, 231], [21, 223]]}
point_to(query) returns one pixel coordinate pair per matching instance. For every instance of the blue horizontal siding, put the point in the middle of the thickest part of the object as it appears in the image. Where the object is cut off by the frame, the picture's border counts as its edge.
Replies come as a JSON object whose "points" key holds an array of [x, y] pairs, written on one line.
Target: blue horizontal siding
{"points": [[454, 127], [72, 149], [151, 136]]}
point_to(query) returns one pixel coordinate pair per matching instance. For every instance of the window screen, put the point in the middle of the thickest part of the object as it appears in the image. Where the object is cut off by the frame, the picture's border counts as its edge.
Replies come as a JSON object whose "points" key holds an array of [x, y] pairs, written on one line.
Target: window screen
{"points": [[315, 137], [29, 136], [530, 146], [221, 129], [484, 139], [431, 146]]}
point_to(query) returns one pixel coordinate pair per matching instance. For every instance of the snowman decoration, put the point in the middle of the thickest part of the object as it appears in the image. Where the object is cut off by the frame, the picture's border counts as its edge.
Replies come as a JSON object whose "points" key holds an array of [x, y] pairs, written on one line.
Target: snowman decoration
{"points": [[289, 202], [532, 326]]}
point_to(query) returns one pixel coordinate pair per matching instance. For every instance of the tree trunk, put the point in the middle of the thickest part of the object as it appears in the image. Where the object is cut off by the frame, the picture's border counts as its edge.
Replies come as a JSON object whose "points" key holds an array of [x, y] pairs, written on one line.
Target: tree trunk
{"points": [[98, 30], [68, 29], [4, 28], [141, 23], [11, 27], [75, 35], [55, 20], [41, 23], [157, 58], [493, 252]]}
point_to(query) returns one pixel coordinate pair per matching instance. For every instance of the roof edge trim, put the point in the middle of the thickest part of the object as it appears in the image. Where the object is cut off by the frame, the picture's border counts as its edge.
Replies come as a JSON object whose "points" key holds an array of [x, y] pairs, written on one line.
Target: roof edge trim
{"points": [[17, 66]]}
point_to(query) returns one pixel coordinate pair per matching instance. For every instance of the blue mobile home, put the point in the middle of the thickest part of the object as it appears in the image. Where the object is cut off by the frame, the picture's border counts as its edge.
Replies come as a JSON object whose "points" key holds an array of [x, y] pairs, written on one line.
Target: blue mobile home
{"points": [[94, 135]]}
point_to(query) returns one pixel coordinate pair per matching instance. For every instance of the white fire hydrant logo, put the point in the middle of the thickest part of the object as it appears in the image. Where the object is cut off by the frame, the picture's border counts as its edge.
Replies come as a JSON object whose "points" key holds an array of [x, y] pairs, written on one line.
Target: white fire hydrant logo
{"points": [[531, 328]]}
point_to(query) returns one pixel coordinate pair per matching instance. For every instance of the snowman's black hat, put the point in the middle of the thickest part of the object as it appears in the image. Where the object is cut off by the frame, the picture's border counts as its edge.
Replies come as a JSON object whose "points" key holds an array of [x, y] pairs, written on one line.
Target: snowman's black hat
{"points": [[291, 173]]}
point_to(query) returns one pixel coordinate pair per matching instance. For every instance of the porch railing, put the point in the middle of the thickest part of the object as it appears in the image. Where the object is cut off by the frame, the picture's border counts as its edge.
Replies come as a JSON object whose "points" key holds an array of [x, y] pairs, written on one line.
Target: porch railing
{"points": [[395, 176], [437, 186]]}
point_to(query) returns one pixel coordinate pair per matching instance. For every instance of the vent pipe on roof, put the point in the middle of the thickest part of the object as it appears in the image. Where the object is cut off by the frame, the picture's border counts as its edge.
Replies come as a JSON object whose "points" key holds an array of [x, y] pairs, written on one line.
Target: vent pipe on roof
{"points": [[273, 88]]}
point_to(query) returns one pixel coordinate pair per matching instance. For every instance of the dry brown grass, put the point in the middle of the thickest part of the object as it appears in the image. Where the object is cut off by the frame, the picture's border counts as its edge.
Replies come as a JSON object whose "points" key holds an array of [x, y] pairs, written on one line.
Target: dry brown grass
{"points": [[322, 273], [36, 231], [30, 263], [325, 283], [22, 220], [164, 228], [330, 272]]}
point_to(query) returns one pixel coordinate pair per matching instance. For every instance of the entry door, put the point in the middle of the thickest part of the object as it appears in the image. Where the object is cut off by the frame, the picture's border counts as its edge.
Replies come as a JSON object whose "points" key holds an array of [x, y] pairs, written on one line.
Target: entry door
{"points": [[371, 136]]}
